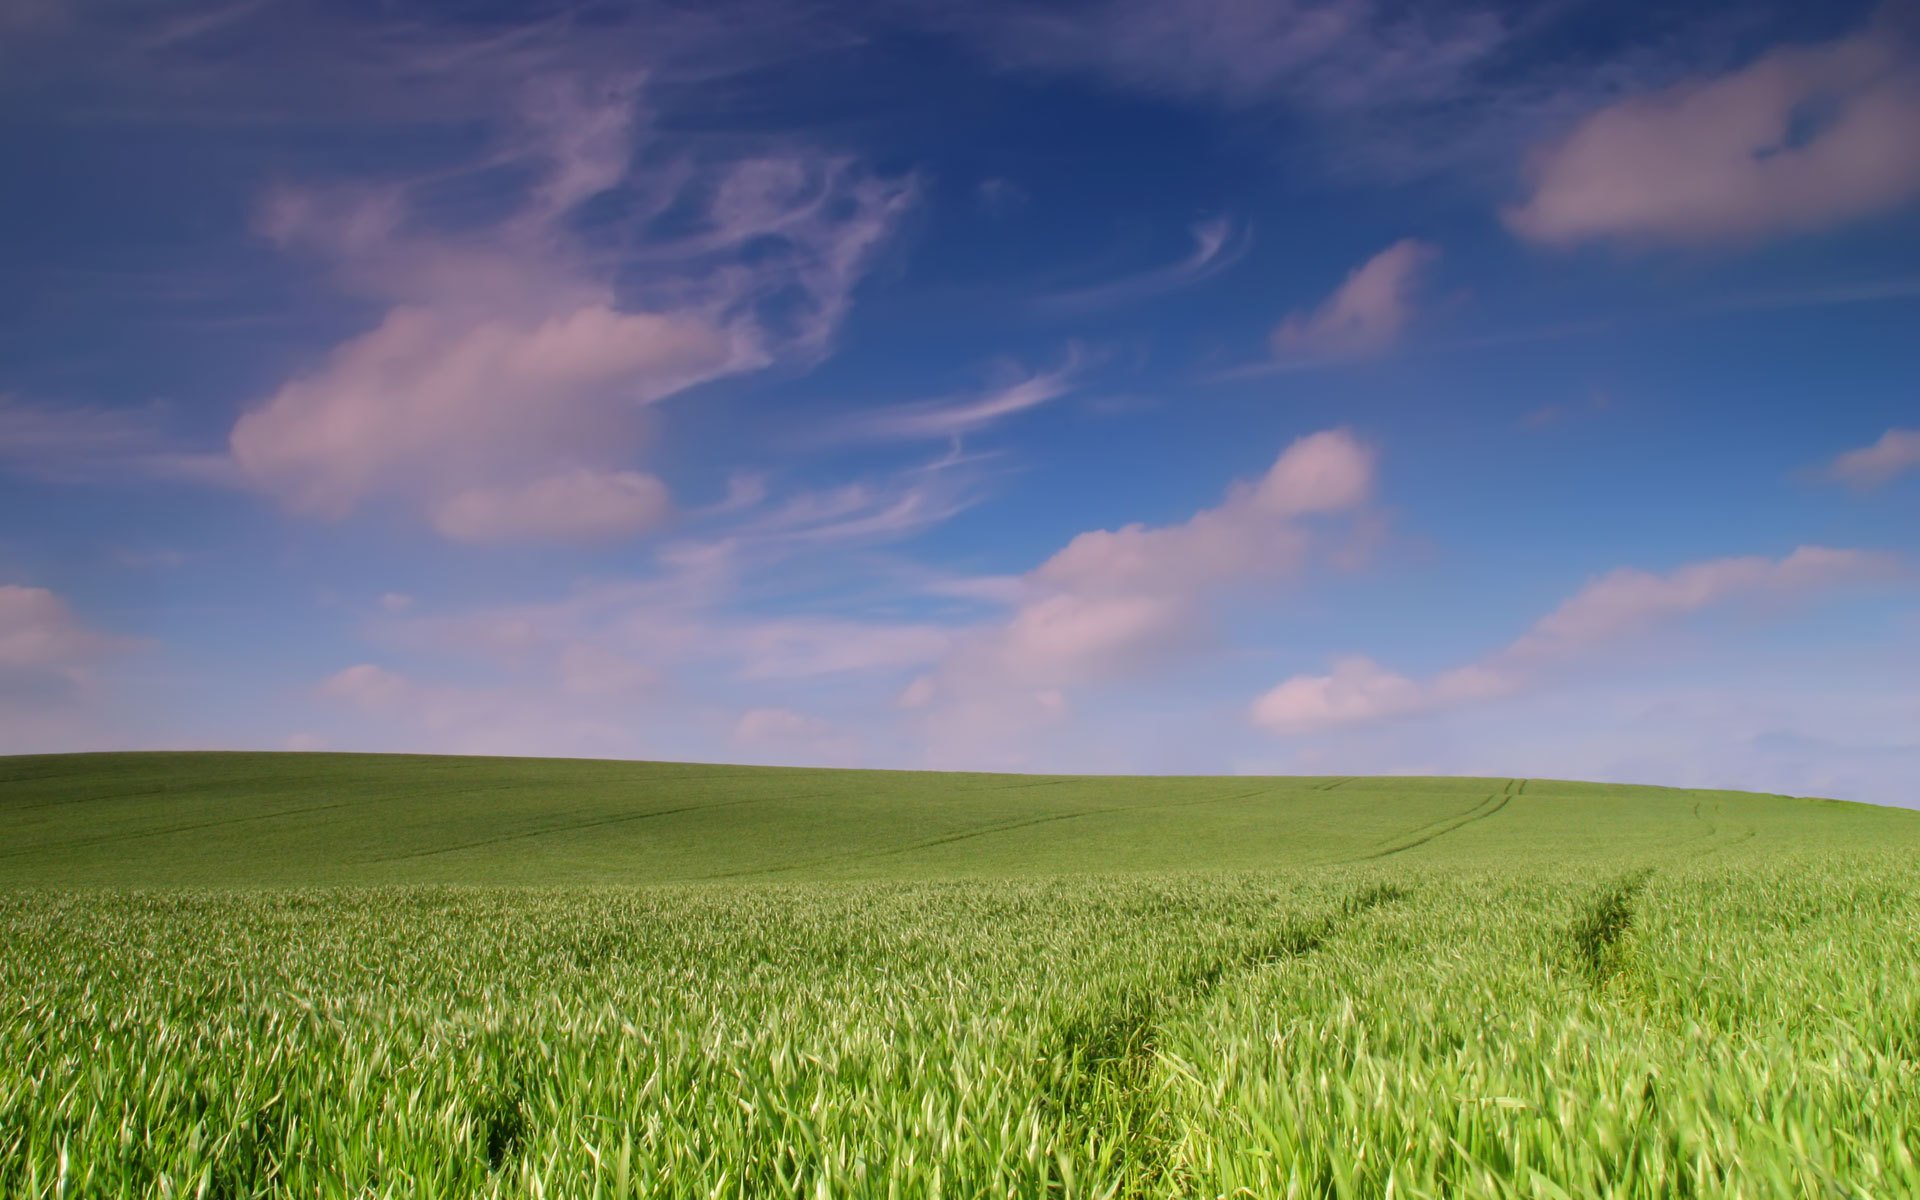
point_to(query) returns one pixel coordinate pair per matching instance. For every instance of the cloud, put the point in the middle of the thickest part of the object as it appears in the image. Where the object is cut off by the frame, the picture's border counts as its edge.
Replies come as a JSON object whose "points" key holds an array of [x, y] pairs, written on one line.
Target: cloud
{"points": [[39, 634], [792, 738], [1324, 55], [776, 724], [874, 510], [581, 504], [429, 400], [1803, 138], [51, 694], [95, 445], [1616, 606], [1218, 243], [1897, 452], [956, 417], [501, 390], [1113, 603], [1366, 314], [368, 686]]}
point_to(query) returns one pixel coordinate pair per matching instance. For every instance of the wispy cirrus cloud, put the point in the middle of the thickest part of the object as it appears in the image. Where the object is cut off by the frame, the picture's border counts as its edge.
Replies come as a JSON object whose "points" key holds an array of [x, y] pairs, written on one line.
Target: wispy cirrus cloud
{"points": [[1616, 606], [1218, 243], [501, 390], [103, 445], [1019, 390]]}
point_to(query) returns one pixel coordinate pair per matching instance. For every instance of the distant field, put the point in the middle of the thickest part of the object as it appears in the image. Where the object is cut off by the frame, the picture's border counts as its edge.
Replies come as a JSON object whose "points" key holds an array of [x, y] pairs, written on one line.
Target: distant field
{"points": [[338, 975]]}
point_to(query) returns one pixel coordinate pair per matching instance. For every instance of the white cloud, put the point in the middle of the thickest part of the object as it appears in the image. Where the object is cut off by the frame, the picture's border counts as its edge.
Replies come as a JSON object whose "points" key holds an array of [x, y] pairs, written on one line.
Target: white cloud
{"points": [[1218, 243], [501, 390], [424, 400], [1897, 452], [579, 505], [865, 511], [1615, 606], [368, 686], [40, 634], [777, 724], [1803, 138], [1254, 531], [1114, 602], [953, 418], [1367, 313], [94, 445]]}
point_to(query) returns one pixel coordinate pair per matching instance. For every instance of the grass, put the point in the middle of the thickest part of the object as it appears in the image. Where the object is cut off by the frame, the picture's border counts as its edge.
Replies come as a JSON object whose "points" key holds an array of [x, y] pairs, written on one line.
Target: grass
{"points": [[333, 975]]}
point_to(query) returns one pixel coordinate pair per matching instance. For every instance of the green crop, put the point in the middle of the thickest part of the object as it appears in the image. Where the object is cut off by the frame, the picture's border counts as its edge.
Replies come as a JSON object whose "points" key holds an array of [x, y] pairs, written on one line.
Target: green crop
{"points": [[260, 975]]}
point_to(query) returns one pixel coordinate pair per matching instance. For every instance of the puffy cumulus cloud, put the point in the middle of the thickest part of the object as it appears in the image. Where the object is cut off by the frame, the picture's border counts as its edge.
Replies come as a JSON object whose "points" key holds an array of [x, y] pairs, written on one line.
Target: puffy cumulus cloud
{"points": [[579, 504], [501, 391], [50, 693], [428, 397], [1803, 138], [1897, 452], [1359, 689], [1367, 313], [1254, 531], [1614, 606], [368, 686], [1115, 602], [41, 636]]}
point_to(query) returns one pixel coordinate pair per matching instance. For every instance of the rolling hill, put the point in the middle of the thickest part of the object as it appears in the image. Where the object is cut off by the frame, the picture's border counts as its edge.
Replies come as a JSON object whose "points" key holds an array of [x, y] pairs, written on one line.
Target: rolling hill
{"points": [[274, 820]]}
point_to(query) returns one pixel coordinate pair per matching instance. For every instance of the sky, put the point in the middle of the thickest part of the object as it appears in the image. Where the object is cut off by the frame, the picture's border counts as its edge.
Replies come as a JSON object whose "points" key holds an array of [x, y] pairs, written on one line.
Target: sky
{"points": [[1146, 386]]}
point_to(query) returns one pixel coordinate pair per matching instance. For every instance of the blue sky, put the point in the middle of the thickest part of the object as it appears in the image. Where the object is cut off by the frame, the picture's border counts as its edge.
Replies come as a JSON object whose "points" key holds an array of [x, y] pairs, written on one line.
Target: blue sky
{"points": [[1213, 386]]}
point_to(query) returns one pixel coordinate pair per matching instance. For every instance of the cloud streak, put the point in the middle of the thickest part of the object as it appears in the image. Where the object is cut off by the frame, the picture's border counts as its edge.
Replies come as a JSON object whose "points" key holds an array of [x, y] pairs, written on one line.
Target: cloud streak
{"points": [[1614, 607], [953, 418], [1218, 244]]}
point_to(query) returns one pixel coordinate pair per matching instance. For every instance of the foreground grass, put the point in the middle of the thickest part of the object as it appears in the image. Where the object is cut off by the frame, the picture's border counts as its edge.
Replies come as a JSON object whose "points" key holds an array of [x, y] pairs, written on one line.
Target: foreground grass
{"points": [[1489, 991]]}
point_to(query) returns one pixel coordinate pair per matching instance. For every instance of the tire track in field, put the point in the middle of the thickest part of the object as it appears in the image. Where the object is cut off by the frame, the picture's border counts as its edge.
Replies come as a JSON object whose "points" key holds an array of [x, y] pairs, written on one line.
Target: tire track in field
{"points": [[1595, 937], [1479, 812], [1121, 1045], [969, 834]]}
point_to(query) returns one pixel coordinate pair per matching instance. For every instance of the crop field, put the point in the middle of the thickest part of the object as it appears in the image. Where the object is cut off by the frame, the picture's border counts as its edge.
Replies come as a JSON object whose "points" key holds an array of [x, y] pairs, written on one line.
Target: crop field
{"points": [[332, 975]]}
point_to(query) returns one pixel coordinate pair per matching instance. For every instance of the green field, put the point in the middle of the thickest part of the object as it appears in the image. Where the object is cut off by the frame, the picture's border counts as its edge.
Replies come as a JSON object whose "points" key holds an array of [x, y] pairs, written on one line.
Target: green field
{"points": [[336, 975]]}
